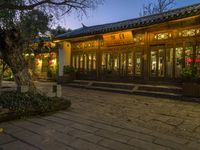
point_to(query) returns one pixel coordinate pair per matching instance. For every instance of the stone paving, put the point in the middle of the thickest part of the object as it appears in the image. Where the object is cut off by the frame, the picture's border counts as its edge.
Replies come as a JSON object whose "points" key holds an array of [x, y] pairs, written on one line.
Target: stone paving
{"points": [[108, 121]]}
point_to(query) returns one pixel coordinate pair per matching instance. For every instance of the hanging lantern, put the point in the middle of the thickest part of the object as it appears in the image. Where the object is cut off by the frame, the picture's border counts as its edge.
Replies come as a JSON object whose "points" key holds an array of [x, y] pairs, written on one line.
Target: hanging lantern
{"points": [[189, 60], [50, 62]]}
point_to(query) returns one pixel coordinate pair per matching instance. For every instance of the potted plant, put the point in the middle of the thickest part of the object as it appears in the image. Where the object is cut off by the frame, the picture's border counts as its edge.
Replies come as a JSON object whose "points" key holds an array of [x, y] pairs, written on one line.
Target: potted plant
{"points": [[69, 74], [191, 78]]}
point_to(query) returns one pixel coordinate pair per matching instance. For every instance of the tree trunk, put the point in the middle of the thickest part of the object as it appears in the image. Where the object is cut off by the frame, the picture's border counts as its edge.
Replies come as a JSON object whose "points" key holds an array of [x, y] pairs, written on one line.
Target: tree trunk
{"points": [[19, 68], [1, 75], [11, 49]]}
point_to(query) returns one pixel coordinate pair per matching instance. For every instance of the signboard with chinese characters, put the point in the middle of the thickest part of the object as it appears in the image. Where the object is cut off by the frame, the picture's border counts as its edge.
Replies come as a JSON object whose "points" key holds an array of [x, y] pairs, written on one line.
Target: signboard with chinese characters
{"points": [[118, 38]]}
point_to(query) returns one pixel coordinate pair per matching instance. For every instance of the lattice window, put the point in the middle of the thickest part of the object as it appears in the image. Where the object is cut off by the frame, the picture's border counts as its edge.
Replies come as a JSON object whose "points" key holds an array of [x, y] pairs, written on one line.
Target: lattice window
{"points": [[162, 36], [89, 44], [189, 32], [198, 31], [78, 45]]}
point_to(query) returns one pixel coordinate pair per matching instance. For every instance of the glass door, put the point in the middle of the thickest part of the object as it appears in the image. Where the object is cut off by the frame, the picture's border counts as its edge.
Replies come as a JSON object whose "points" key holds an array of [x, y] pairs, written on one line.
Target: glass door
{"points": [[178, 61], [169, 62], [130, 63], [138, 63], [154, 63], [161, 64], [123, 57], [157, 62]]}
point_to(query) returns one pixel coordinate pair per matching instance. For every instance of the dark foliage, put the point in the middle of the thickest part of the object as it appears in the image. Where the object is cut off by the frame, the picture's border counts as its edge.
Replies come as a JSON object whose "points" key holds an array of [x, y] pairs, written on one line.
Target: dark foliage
{"points": [[26, 104]]}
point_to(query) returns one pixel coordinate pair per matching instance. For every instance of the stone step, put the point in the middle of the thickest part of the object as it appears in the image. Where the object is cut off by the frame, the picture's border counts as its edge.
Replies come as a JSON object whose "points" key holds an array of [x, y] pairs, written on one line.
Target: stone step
{"points": [[175, 90], [165, 92], [131, 86], [118, 90], [160, 94], [75, 85]]}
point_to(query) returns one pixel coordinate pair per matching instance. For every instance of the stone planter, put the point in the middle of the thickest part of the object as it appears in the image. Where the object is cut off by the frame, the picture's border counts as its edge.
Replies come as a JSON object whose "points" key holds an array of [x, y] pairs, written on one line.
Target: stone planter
{"points": [[67, 78], [191, 89]]}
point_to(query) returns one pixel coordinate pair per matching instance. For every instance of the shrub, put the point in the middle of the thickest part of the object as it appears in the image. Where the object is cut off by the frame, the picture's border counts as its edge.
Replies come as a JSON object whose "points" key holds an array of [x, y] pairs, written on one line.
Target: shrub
{"points": [[26, 104], [68, 69], [190, 75]]}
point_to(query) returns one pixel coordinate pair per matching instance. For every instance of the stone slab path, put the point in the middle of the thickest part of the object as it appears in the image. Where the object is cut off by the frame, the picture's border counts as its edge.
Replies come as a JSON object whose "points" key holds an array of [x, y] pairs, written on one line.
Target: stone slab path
{"points": [[71, 131], [108, 121]]}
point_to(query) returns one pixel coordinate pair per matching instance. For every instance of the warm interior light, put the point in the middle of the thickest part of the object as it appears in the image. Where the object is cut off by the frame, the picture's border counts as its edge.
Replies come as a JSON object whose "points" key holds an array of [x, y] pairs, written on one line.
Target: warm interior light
{"points": [[53, 62]]}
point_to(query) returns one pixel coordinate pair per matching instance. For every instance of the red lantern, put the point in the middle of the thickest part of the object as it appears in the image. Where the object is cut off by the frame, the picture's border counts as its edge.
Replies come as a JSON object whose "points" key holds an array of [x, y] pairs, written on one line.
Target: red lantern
{"points": [[50, 62], [189, 60]]}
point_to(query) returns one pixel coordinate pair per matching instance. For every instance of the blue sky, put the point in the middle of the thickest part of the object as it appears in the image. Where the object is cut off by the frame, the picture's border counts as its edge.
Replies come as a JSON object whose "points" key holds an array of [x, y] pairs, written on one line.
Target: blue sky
{"points": [[113, 11]]}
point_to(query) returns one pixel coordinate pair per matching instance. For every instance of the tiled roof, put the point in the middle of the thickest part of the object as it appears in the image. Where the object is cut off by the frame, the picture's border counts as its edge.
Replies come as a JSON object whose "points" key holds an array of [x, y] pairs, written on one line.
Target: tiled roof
{"points": [[175, 14]]}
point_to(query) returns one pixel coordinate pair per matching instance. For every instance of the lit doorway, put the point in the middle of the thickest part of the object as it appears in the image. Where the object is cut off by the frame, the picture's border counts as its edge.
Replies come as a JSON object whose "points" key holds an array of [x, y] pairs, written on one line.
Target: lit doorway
{"points": [[157, 62]]}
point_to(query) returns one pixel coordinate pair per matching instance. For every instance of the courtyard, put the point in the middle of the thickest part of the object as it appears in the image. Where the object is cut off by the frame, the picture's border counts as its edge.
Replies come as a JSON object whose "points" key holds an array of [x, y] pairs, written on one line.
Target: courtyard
{"points": [[106, 121]]}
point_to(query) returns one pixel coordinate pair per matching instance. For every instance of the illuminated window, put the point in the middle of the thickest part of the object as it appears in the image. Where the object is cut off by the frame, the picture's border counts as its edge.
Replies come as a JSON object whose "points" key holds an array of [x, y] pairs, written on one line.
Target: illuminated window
{"points": [[169, 61], [123, 63], [153, 63], [94, 61], [162, 36], [138, 63], [73, 61], [103, 61], [115, 61], [81, 61], [190, 32], [77, 61], [89, 61], [85, 62], [109, 61], [178, 61], [106, 62], [161, 66]]}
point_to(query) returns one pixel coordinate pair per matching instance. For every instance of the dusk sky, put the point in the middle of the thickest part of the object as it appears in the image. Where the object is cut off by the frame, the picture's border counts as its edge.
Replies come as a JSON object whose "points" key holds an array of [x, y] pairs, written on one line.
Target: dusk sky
{"points": [[113, 11]]}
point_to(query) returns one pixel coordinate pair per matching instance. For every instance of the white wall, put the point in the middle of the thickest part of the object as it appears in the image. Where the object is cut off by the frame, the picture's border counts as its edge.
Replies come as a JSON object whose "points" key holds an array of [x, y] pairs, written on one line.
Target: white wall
{"points": [[64, 56]]}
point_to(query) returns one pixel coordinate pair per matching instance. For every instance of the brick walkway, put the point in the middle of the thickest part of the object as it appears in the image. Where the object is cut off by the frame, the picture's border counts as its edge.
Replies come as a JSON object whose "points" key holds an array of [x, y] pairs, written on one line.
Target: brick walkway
{"points": [[105, 121]]}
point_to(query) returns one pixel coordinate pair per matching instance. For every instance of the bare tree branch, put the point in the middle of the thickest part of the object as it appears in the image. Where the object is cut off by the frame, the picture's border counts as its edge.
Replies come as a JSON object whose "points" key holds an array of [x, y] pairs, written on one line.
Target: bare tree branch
{"points": [[158, 7], [65, 6]]}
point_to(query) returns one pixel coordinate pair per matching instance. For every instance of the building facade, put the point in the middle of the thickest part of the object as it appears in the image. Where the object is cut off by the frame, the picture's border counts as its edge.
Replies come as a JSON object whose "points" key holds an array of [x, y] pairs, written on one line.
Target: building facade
{"points": [[151, 48]]}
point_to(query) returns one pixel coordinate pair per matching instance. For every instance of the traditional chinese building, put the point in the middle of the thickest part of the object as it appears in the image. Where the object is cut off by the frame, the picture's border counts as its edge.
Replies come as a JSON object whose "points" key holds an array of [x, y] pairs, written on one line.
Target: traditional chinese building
{"points": [[155, 47]]}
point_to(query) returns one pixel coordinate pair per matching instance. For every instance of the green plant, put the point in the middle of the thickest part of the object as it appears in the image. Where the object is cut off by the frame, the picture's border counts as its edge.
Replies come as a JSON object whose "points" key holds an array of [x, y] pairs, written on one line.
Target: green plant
{"points": [[27, 104], [68, 69], [190, 74]]}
